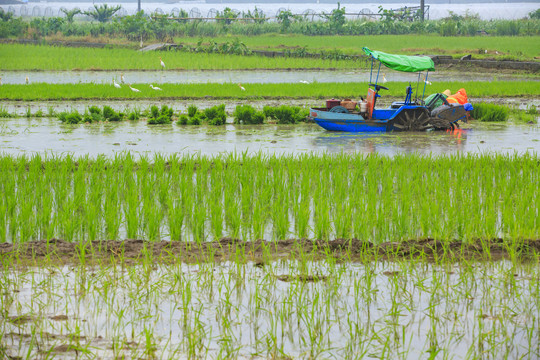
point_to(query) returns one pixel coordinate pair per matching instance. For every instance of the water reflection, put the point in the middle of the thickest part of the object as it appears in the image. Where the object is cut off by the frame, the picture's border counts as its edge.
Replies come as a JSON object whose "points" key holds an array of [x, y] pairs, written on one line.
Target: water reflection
{"points": [[392, 143]]}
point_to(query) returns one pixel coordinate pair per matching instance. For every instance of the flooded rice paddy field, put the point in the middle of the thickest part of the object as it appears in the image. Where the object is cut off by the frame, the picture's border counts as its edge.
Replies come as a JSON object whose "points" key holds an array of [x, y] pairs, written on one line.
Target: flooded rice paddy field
{"points": [[287, 305], [48, 135], [245, 76], [283, 309]]}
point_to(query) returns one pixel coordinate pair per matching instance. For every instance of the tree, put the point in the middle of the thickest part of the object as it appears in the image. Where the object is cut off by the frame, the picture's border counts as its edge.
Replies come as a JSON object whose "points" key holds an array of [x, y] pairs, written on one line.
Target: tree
{"points": [[103, 13], [70, 14]]}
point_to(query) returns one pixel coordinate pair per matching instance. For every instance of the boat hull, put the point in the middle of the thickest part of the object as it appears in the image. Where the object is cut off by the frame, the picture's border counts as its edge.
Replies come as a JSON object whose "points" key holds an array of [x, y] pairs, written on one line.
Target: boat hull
{"points": [[334, 121]]}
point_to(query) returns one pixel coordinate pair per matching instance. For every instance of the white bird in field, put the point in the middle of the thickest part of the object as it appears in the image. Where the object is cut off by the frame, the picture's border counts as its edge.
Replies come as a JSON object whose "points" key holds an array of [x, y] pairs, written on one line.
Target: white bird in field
{"points": [[304, 82], [485, 51], [116, 85], [384, 79], [26, 80], [155, 87], [162, 63], [496, 52], [426, 81], [241, 87], [122, 78], [133, 89]]}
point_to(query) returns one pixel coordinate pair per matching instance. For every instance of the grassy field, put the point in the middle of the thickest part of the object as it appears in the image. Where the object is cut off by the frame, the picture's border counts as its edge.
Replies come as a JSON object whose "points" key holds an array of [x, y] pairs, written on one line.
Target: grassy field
{"points": [[32, 57], [515, 47], [40, 91]]}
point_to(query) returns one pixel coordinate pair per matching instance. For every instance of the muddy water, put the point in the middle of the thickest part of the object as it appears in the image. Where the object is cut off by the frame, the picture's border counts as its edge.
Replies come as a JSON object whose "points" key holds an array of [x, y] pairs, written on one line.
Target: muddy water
{"points": [[23, 135], [235, 76], [257, 311]]}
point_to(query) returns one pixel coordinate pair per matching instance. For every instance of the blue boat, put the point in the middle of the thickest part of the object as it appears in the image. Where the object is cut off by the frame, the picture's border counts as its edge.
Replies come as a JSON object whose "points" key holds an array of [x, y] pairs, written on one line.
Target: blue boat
{"points": [[409, 115]]}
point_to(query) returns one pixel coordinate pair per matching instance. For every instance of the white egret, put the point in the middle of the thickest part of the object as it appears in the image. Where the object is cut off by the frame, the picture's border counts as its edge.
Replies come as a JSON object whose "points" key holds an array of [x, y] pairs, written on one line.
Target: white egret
{"points": [[122, 78], [133, 89], [26, 80], [155, 87], [162, 63], [241, 87], [304, 82], [384, 81], [116, 85]]}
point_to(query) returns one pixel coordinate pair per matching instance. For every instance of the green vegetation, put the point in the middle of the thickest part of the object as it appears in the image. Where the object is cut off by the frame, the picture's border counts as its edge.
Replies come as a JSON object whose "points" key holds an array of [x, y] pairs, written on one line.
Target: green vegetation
{"points": [[203, 198], [160, 116], [33, 57], [247, 114], [506, 46], [361, 307], [160, 27], [41, 91], [490, 112]]}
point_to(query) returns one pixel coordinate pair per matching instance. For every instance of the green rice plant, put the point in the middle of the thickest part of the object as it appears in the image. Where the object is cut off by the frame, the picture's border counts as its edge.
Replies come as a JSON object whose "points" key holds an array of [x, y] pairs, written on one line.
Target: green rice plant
{"points": [[134, 114], [247, 114], [192, 110], [38, 91], [215, 115], [160, 116], [266, 196], [531, 110], [182, 120], [109, 114], [490, 112], [4, 113], [523, 116], [50, 111], [70, 117]]}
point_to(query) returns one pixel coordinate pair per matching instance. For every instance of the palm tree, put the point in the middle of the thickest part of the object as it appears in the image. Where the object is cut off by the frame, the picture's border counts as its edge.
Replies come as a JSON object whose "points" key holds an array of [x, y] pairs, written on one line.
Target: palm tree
{"points": [[103, 13]]}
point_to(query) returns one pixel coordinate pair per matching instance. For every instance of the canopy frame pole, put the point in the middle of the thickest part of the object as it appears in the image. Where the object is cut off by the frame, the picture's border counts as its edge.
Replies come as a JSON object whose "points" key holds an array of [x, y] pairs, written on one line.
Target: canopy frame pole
{"points": [[417, 83], [425, 84], [378, 70], [371, 70]]}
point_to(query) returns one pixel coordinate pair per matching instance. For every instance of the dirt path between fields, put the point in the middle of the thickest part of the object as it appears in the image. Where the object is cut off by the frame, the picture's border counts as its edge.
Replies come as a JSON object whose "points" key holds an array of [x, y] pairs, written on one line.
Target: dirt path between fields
{"points": [[260, 251]]}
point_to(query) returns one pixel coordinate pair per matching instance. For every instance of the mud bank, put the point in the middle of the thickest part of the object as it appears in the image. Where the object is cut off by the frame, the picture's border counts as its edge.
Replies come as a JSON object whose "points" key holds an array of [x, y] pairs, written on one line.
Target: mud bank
{"points": [[132, 251]]}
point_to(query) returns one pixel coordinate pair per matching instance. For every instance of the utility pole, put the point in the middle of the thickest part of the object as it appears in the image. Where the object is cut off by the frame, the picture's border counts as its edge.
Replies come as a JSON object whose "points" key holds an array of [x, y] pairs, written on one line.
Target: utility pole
{"points": [[421, 5], [139, 7]]}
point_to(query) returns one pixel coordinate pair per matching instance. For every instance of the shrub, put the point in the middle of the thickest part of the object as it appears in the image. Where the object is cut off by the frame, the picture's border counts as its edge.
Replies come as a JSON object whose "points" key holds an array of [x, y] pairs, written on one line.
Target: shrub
{"points": [[247, 114]]}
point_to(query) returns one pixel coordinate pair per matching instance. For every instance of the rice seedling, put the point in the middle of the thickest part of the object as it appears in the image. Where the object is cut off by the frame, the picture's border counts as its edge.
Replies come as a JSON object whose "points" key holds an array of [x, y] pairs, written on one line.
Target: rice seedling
{"points": [[490, 112], [333, 196], [41, 91], [4, 113], [30, 57]]}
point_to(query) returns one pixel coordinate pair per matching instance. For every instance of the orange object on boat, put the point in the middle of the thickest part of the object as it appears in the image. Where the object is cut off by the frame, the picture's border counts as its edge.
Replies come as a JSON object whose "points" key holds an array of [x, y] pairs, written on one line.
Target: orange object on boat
{"points": [[458, 98]]}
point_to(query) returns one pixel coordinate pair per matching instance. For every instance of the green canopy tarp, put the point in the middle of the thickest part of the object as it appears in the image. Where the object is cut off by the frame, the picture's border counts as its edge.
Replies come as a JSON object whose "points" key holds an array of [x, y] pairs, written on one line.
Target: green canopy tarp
{"points": [[402, 62]]}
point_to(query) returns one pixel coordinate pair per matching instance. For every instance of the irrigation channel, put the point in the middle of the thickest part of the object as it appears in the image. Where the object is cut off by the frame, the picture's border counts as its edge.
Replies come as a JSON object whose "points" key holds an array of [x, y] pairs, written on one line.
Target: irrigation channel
{"points": [[238, 76]]}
